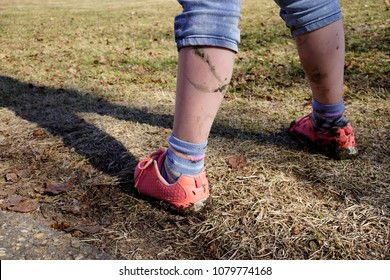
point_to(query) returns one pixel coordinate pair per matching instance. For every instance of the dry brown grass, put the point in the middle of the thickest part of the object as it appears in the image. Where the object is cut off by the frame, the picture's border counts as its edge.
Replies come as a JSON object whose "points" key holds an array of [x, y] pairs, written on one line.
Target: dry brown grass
{"points": [[98, 80]]}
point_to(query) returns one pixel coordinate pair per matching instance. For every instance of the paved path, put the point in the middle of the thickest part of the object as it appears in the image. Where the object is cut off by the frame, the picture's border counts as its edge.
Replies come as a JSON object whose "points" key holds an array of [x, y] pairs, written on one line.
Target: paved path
{"points": [[22, 237]]}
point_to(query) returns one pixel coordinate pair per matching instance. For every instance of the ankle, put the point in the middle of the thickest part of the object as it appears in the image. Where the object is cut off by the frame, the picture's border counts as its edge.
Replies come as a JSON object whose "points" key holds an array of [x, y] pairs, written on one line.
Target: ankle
{"points": [[182, 158], [327, 116]]}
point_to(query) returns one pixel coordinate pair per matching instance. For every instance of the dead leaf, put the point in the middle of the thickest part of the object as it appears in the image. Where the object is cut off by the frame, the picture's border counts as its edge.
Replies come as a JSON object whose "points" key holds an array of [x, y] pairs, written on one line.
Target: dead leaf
{"points": [[7, 191], [101, 60], [60, 225], [352, 64], [84, 229], [237, 162], [73, 70], [212, 248], [24, 172], [38, 132], [165, 131], [296, 230], [11, 177], [345, 89], [5, 156], [19, 204], [39, 189], [54, 189]]}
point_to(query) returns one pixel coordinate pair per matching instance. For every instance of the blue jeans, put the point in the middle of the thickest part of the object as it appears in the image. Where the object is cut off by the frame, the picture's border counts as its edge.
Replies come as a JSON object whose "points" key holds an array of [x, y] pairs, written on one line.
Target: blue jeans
{"points": [[215, 22]]}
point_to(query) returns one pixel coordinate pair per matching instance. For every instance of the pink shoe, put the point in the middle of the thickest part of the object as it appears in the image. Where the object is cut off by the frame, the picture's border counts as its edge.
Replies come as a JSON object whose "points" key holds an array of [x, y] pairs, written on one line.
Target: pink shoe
{"points": [[188, 192], [338, 142]]}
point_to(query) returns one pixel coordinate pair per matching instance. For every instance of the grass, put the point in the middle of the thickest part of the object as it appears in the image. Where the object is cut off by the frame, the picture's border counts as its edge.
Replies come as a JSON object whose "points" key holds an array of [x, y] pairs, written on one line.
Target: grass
{"points": [[98, 78]]}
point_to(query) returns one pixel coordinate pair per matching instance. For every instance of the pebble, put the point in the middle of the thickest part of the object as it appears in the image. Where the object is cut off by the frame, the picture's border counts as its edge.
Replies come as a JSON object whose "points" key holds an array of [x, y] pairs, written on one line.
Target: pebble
{"points": [[39, 236], [3, 252], [75, 244]]}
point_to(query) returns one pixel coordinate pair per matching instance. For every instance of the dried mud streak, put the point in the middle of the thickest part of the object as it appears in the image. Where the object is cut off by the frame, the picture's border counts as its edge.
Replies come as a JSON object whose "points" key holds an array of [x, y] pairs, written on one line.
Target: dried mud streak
{"points": [[223, 86], [222, 89], [200, 53], [199, 87]]}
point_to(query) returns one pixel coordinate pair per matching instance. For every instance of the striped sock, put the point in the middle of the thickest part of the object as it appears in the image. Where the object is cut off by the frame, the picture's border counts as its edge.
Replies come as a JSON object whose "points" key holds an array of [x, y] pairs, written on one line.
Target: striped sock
{"points": [[182, 158], [326, 116]]}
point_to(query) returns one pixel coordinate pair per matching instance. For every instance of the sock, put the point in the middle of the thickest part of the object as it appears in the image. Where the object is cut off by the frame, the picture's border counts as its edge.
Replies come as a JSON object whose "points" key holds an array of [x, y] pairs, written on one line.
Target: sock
{"points": [[326, 116], [182, 158]]}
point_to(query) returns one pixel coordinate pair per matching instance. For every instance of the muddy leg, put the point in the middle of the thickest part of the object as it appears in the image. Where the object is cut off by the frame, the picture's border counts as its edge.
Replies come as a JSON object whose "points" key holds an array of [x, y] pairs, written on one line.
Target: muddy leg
{"points": [[204, 74], [322, 55]]}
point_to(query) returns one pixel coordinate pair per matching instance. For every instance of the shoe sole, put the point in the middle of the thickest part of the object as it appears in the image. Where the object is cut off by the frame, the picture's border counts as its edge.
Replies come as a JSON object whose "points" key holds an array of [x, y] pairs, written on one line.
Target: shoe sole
{"points": [[197, 207]]}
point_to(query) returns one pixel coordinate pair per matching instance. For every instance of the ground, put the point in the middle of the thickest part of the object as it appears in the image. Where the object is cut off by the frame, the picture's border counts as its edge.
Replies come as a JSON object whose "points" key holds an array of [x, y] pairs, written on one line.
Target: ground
{"points": [[87, 90]]}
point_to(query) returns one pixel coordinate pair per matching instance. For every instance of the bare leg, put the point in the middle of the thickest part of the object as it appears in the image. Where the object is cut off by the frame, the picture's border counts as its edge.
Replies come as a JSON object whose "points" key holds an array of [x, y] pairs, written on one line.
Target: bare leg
{"points": [[322, 54], [204, 74]]}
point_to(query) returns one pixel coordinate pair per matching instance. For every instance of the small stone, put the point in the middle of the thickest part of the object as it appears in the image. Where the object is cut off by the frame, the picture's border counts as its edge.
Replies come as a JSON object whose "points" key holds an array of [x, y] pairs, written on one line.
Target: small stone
{"points": [[3, 252], [56, 242], [39, 236], [75, 244], [11, 177], [16, 248]]}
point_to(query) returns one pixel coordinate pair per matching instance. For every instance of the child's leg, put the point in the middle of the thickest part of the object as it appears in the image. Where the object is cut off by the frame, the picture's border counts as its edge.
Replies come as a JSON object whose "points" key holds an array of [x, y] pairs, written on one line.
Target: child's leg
{"points": [[207, 36], [318, 30], [203, 76], [322, 57], [322, 54]]}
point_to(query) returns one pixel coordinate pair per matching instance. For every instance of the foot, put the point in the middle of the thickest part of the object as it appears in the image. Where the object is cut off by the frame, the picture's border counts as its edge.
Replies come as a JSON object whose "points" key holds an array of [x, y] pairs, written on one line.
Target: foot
{"points": [[338, 142], [188, 192]]}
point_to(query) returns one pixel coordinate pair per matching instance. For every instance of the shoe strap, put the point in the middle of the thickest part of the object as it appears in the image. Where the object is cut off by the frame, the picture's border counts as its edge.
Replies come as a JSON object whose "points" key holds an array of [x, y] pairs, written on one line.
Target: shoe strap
{"points": [[143, 164]]}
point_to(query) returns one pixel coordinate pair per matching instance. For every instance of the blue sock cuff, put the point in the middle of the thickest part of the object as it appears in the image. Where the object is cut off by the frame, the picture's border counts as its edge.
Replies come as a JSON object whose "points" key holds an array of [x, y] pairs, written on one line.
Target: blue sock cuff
{"points": [[328, 110], [187, 148], [183, 158], [182, 165]]}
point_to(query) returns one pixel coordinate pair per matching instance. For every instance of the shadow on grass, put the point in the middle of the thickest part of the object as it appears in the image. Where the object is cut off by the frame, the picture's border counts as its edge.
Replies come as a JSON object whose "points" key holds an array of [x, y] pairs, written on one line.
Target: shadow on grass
{"points": [[56, 111]]}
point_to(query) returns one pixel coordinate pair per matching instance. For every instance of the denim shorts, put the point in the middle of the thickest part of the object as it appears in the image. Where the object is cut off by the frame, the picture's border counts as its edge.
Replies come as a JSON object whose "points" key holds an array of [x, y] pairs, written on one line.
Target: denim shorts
{"points": [[215, 22]]}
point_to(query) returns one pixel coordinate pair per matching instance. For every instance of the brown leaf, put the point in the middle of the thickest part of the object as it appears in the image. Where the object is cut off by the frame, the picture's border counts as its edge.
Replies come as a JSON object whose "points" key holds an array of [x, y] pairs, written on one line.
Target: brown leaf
{"points": [[11, 177], [5, 156], [54, 189], [165, 131], [237, 162], [7, 191], [212, 248], [23, 173], [60, 226], [101, 60], [38, 132], [84, 229], [352, 64], [19, 204], [296, 230], [345, 89]]}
